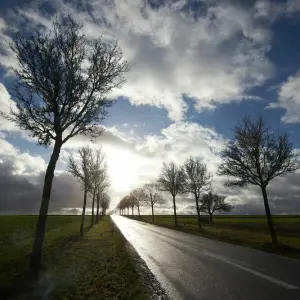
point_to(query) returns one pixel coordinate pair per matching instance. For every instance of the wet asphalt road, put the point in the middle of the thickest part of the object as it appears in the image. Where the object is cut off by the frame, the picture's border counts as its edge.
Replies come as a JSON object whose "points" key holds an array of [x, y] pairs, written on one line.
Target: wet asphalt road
{"points": [[193, 267]]}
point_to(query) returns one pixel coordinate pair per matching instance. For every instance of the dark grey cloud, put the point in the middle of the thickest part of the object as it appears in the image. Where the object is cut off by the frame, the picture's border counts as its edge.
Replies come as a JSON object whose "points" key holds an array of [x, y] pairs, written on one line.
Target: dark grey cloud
{"points": [[22, 193]]}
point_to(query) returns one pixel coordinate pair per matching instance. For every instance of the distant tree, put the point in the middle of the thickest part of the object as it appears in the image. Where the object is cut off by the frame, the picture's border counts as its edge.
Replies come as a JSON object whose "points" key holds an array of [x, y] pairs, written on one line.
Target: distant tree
{"points": [[104, 203], [212, 203], [172, 180], [131, 202], [139, 197], [256, 156], [99, 180], [196, 180], [98, 166], [152, 196], [81, 169], [123, 205], [60, 92]]}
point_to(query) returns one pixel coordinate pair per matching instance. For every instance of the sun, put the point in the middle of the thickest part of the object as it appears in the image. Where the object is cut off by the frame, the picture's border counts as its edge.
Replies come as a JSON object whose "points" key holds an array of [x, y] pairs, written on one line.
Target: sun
{"points": [[123, 169]]}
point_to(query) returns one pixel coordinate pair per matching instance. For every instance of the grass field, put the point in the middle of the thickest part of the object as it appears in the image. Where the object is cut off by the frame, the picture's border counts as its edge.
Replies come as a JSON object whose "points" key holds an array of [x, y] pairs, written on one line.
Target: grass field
{"points": [[251, 231], [97, 266]]}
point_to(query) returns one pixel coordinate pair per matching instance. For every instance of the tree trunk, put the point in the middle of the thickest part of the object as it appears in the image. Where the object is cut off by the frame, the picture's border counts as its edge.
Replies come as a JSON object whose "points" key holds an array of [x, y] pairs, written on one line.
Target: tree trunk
{"points": [[98, 206], [210, 218], [36, 255], [175, 215], [132, 210], [93, 204], [139, 211], [198, 211], [269, 217], [152, 213], [83, 212]]}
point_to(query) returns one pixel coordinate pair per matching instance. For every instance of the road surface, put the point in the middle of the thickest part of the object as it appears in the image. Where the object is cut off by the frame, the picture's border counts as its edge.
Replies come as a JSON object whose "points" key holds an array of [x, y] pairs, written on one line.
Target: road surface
{"points": [[193, 267]]}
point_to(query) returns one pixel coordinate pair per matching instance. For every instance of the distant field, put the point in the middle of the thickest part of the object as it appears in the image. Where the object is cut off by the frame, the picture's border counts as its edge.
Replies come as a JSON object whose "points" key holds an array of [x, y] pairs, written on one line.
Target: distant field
{"points": [[73, 268], [250, 230]]}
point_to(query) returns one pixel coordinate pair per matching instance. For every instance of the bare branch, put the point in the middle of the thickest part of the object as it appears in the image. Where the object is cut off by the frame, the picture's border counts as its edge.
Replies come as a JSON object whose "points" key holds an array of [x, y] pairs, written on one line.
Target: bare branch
{"points": [[257, 155], [171, 179], [63, 80]]}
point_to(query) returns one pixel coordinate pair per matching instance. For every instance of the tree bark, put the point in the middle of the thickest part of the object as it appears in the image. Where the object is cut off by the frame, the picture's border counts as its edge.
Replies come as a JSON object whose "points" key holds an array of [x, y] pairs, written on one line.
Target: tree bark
{"points": [[83, 211], [175, 215], [269, 217], [98, 207], [210, 218], [198, 211], [93, 204], [36, 255], [152, 213], [139, 211], [132, 210]]}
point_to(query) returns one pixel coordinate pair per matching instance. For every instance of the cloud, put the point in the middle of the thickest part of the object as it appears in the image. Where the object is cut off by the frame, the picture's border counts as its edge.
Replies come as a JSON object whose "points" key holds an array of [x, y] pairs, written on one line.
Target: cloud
{"points": [[131, 161], [289, 99], [6, 103], [7, 58], [292, 6], [215, 57], [22, 162], [22, 179], [22, 175], [21, 193]]}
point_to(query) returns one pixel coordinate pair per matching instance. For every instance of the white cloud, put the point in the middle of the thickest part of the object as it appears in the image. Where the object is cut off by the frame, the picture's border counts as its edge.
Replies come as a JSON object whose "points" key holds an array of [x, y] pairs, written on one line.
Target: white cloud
{"points": [[135, 161], [5, 105], [131, 163], [289, 99], [23, 162], [214, 59]]}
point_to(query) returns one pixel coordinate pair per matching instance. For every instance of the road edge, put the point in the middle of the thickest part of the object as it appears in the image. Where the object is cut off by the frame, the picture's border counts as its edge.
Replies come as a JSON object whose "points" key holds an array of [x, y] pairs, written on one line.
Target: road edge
{"points": [[152, 286]]}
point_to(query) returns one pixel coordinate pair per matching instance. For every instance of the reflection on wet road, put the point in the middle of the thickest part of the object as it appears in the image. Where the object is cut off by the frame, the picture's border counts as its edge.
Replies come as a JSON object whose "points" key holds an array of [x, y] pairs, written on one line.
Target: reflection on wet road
{"points": [[193, 267]]}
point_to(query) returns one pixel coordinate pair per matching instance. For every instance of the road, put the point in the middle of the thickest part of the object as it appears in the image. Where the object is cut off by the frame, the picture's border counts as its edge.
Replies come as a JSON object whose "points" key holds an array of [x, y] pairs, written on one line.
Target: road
{"points": [[193, 267]]}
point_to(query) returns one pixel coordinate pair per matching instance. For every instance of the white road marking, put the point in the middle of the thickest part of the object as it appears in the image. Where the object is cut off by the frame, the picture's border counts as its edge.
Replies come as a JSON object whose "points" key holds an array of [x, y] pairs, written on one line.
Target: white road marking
{"points": [[267, 277]]}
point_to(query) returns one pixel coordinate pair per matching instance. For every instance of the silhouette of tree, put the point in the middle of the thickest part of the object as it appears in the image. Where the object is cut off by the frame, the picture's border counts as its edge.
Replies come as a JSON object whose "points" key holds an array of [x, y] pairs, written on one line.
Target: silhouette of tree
{"points": [[139, 196], [152, 196], [104, 203], [82, 169], [124, 204], [62, 82], [212, 202], [172, 181], [196, 181], [256, 156], [99, 180]]}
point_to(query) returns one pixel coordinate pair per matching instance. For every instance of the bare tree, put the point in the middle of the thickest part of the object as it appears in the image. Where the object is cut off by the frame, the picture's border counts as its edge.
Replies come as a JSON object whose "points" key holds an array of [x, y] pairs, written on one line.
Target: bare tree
{"points": [[82, 170], [99, 180], [123, 205], [197, 180], [139, 197], [256, 156], [131, 202], [152, 196], [212, 202], [62, 83], [104, 203], [172, 181]]}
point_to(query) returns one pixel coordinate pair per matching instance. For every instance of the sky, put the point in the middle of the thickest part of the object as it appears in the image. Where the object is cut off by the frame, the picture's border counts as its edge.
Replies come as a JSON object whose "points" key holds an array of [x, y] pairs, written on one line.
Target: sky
{"points": [[196, 69]]}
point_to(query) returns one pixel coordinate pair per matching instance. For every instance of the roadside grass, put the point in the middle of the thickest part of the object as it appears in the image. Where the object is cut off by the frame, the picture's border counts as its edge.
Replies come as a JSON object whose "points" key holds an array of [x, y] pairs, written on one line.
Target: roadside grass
{"points": [[251, 231], [97, 266]]}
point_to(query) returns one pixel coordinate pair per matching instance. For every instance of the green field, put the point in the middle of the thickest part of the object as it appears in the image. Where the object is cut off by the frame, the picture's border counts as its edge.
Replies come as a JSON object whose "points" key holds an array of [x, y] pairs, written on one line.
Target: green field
{"points": [[73, 267], [251, 231]]}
